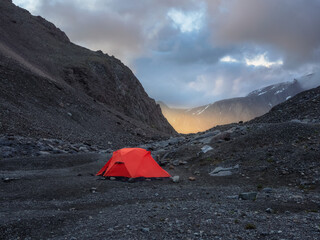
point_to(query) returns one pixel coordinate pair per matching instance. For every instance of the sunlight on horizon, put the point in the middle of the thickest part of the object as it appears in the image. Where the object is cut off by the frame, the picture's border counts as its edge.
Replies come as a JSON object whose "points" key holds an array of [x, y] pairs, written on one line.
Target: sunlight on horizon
{"points": [[261, 60]]}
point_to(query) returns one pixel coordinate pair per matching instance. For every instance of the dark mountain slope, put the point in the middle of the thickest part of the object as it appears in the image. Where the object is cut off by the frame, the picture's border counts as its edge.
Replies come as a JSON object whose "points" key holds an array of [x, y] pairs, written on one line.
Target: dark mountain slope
{"points": [[44, 77], [304, 107], [44, 109]]}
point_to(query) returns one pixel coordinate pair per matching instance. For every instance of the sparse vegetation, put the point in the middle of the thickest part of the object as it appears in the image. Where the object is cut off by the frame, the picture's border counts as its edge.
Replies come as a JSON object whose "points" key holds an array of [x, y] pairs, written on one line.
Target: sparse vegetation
{"points": [[250, 226]]}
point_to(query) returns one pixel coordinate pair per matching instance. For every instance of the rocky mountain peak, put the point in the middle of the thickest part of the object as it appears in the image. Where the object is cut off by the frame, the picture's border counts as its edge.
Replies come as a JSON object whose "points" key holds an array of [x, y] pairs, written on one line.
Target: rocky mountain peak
{"points": [[67, 91]]}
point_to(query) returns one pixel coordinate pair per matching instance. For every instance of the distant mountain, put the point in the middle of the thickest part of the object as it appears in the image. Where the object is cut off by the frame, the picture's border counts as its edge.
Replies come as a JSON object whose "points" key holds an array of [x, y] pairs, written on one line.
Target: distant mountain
{"points": [[302, 108], [232, 110], [51, 87]]}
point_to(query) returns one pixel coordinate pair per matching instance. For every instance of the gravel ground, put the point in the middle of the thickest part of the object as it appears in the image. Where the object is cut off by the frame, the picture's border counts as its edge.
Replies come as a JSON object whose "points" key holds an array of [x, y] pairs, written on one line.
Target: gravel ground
{"points": [[58, 197]]}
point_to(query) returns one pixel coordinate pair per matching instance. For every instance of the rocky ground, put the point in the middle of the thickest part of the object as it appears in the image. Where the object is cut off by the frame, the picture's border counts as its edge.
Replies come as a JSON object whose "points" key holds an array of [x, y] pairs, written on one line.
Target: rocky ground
{"points": [[58, 197], [228, 183], [18, 146], [254, 180]]}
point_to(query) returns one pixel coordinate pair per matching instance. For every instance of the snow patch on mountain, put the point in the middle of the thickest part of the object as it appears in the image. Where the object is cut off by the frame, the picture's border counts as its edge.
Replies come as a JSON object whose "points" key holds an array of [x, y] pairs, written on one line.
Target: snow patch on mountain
{"points": [[279, 91], [201, 110], [272, 89], [262, 93]]}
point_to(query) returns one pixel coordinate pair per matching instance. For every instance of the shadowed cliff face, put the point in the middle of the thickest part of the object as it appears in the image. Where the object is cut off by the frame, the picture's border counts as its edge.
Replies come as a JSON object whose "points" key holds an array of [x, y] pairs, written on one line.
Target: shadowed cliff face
{"points": [[36, 56], [232, 110]]}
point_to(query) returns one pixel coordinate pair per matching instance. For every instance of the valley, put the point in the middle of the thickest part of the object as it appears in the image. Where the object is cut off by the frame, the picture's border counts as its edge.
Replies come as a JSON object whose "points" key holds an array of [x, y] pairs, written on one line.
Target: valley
{"points": [[241, 168]]}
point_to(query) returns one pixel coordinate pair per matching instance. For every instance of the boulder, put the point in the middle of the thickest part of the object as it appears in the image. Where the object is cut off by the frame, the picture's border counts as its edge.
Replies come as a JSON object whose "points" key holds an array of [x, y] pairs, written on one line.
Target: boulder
{"points": [[248, 196]]}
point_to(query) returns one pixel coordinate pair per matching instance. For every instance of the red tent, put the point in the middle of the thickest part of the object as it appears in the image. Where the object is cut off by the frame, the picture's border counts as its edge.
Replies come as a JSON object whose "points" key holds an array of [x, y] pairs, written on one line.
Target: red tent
{"points": [[132, 163]]}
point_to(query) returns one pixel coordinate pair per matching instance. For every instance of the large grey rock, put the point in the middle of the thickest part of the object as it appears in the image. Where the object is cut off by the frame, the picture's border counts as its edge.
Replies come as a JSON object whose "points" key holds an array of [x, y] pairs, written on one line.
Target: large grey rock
{"points": [[221, 174], [248, 196], [206, 148], [222, 171]]}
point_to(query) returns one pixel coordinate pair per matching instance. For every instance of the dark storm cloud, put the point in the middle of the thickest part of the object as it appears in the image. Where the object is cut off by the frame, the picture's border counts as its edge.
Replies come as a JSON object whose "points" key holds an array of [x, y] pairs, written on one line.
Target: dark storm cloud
{"points": [[290, 26], [175, 46], [186, 49], [124, 28]]}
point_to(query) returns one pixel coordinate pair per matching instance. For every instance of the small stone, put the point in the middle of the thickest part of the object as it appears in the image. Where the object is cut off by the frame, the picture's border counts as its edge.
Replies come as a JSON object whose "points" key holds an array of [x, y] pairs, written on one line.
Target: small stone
{"points": [[183, 162], [248, 196], [131, 180], [43, 153], [83, 149], [233, 196], [175, 163], [145, 229], [6, 180], [267, 190], [112, 178], [192, 178], [175, 179], [196, 173], [269, 210], [171, 167]]}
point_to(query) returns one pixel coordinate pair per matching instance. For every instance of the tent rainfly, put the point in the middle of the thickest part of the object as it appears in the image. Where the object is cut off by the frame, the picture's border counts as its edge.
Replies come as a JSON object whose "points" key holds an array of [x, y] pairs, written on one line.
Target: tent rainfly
{"points": [[132, 163]]}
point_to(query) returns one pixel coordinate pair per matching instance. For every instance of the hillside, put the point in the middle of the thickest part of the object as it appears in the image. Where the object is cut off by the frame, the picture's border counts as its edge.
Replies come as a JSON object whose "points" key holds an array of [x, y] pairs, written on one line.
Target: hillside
{"points": [[303, 108], [50, 87]]}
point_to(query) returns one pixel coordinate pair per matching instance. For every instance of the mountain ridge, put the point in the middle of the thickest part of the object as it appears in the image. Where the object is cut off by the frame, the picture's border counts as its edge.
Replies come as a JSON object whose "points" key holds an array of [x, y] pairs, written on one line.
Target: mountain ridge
{"points": [[97, 87], [254, 104]]}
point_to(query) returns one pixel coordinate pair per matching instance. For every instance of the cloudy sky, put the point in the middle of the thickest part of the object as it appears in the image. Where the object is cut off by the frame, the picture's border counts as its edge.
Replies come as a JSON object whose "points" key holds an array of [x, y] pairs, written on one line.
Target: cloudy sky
{"points": [[193, 52]]}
